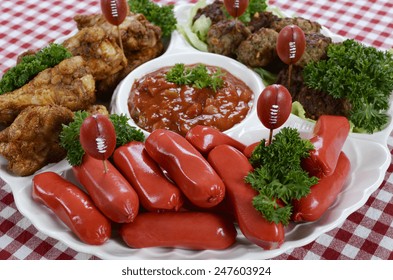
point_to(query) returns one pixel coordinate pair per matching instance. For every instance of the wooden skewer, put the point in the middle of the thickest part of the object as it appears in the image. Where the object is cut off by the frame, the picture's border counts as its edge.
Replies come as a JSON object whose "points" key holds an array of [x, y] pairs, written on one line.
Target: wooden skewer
{"points": [[105, 166], [120, 40]]}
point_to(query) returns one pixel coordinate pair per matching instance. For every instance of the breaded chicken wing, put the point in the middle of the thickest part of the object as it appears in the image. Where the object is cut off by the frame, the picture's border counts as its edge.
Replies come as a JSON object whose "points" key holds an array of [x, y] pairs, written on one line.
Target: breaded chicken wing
{"points": [[136, 31], [97, 109], [102, 54], [141, 42], [32, 140], [107, 86], [69, 84]]}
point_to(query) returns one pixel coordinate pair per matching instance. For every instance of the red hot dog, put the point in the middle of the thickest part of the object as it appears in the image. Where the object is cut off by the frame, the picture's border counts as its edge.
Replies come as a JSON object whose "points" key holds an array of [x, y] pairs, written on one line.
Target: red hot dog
{"points": [[330, 134], [186, 167], [187, 230], [233, 167], [205, 138], [323, 194], [71, 205], [110, 191], [154, 190], [250, 149]]}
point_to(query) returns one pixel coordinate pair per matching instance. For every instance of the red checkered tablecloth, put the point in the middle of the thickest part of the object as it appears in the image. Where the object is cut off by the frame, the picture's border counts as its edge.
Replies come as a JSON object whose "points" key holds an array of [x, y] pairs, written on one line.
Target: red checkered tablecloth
{"points": [[366, 234]]}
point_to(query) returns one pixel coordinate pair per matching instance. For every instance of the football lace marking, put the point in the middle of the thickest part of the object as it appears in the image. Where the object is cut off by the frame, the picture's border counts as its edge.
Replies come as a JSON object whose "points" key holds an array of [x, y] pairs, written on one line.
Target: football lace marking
{"points": [[274, 114], [101, 145], [292, 50], [114, 11]]}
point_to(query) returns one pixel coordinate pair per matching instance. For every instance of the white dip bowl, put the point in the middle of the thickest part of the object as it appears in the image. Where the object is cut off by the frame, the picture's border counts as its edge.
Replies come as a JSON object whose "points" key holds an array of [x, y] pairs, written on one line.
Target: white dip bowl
{"points": [[179, 51]]}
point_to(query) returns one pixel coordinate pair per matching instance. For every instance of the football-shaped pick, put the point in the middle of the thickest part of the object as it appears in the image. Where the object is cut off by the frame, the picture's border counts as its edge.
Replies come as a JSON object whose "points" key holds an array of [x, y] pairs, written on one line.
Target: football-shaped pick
{"points": [[114, 11], [236, 7], [274, 106], [291, 44], [98, 137]]}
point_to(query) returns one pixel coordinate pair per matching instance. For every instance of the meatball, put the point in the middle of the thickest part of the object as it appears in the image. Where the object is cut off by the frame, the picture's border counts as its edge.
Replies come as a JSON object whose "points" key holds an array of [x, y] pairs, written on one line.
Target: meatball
{"points": [[306, 25], [316, 48], [297, 81], [263, 19], [259, 49], [225, 36], [316, 103], [214, 11]]}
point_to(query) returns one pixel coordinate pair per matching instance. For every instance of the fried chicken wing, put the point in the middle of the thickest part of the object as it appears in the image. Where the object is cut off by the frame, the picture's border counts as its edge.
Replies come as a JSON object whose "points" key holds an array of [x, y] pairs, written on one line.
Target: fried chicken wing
{"points": [[135, 58], [69, 84], [136, 31], [97, 109], [141, 42], [102, 54], [32, 140]]}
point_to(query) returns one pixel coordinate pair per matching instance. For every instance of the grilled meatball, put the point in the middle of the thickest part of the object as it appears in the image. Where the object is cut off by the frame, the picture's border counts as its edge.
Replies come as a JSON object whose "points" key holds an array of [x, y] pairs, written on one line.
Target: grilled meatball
{"points": [[316, 103], [316, 48], [306, 25], [225, 36], [297, 81], [214, 11], [263, 19], [259, 49]]}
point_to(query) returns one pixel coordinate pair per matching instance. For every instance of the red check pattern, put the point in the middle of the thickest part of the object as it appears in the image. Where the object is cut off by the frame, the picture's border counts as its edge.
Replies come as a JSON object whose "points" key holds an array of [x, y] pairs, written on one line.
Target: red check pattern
{"points": [[366, 234]]}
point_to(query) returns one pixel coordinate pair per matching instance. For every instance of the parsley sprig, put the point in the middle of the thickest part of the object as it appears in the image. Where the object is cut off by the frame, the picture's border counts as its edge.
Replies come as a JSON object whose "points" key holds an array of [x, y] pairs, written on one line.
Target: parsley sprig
{"points": [[197, 76], [363, 75], [160, 15], [69, 136], [31, 65], [278, 175]]}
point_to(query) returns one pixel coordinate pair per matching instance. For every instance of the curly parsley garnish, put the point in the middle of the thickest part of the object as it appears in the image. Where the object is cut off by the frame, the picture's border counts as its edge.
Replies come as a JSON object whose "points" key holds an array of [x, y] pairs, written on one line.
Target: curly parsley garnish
{"points": [[69, 136], [31, 65], [197, 76], [124, 132], [162, 16], [362, 75], [278, 175]]}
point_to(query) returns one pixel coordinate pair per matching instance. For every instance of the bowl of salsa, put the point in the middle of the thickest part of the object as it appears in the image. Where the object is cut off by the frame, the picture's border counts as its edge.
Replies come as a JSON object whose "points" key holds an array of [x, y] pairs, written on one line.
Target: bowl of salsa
{"points": [[151, 100]]}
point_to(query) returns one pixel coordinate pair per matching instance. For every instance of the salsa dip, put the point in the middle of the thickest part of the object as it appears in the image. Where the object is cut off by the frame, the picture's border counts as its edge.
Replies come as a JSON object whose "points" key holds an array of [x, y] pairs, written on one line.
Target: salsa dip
{"points": [[155, 103]]}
